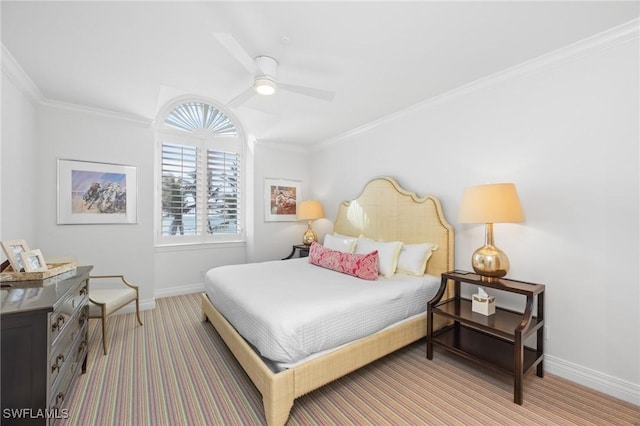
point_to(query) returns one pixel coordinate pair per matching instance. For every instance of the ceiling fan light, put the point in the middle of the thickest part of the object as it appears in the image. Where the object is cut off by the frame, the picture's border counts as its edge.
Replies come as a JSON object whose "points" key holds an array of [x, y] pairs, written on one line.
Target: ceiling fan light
{"points": [[264, 86]]}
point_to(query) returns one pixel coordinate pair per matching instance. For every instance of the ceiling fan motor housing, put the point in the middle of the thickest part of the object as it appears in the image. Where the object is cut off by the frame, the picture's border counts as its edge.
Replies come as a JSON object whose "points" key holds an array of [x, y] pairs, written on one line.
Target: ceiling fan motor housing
{"points": [[267, 67]]}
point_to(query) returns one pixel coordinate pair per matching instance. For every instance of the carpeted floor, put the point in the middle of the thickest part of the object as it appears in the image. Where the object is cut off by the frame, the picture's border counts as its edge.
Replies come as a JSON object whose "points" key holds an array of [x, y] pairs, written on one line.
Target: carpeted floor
{"points": [[175, 370]]}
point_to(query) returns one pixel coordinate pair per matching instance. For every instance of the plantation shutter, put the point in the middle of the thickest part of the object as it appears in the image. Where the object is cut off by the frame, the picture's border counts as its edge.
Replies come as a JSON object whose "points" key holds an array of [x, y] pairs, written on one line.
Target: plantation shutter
{"points": [[224, 191], [179, 189]]}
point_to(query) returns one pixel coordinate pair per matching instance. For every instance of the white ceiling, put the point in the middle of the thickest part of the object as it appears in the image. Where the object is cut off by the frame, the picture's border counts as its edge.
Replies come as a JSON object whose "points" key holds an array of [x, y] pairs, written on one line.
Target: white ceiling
{"points": [[379, 57]]}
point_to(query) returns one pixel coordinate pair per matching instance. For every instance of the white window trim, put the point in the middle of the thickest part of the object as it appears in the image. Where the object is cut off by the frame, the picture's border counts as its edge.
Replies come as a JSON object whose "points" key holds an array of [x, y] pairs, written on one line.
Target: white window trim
{"points": [[198, 138]]}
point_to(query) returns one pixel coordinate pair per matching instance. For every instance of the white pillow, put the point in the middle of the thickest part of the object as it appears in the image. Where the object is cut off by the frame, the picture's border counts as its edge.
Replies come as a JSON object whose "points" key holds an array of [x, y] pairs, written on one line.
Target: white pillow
{"points": [[387, 254], [335, 234], [340, 243], [413, 258]]}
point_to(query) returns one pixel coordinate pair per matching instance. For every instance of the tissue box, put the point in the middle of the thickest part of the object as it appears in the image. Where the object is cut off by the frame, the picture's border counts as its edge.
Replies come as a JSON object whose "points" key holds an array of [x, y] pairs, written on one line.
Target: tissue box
{"points": [[483, 305]]}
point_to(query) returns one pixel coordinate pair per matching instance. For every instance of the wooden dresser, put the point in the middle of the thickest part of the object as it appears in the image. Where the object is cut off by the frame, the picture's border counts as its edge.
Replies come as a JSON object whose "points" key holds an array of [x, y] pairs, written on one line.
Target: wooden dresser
{"points": [[44, 346]]}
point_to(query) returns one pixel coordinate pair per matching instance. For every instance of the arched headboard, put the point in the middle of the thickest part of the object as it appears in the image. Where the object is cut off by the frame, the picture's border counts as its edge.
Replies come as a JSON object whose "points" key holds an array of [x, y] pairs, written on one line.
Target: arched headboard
{"points": [[386, 212]]}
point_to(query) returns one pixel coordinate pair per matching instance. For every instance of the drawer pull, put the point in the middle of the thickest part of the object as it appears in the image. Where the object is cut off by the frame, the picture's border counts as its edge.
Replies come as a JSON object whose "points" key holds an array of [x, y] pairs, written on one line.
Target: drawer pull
{"points": [[58, 363], [83, 290], [82, 346], [59, 400], [82, 318], [58, 324]]}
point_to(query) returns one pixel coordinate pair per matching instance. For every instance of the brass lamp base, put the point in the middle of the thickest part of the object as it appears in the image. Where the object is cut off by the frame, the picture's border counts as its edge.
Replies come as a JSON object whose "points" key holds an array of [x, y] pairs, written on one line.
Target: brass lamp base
{"points": [[309, 236], [489, 261]]}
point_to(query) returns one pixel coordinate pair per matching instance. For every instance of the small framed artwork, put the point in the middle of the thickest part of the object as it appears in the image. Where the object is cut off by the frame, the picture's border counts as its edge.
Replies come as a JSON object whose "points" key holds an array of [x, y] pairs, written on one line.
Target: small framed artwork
{"points": [[33, 261], [96, 193], [281, 199], [12, 249]]}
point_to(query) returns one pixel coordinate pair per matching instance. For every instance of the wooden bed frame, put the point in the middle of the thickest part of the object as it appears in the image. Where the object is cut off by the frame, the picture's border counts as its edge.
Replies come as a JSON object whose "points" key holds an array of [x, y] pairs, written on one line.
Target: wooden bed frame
{"points": [[383, 211]]}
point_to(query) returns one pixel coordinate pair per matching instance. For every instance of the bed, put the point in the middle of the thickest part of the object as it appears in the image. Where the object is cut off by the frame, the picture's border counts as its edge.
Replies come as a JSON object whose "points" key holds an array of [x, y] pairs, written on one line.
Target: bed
{"points": [[383, 211]]}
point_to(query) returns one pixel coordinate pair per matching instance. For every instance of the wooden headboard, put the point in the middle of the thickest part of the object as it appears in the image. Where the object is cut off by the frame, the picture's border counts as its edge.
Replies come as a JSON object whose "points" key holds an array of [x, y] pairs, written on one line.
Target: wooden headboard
{"points": [[386, 212]]}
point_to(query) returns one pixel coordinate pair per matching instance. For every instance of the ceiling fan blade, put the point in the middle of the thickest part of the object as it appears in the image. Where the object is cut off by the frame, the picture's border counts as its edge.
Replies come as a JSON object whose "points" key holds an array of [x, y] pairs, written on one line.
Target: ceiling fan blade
{"points": [[234, 48], [325, 95], [241, 98]]}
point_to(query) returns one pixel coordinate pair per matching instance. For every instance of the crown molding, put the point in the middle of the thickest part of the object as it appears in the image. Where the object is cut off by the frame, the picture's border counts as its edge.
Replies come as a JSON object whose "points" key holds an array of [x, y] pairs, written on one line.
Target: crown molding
{"points": [[131, 118], [615, 36], [14, 72], [280, 145]]}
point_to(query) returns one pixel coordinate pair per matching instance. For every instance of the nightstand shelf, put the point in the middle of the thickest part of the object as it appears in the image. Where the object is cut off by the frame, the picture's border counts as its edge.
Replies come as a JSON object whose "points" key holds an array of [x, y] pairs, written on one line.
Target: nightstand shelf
{"points": [[303, 251], [494, 341], [495, 354], [501, 324]]}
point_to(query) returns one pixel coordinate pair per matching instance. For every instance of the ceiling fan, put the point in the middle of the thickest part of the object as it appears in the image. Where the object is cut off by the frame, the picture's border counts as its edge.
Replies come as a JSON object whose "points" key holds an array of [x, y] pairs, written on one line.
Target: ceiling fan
{"points": [[265, 72]]}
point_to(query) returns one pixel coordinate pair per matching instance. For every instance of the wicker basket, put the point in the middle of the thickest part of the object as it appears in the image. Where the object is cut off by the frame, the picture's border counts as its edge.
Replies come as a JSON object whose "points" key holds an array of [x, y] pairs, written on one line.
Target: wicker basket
{"points": [[54, 269]]}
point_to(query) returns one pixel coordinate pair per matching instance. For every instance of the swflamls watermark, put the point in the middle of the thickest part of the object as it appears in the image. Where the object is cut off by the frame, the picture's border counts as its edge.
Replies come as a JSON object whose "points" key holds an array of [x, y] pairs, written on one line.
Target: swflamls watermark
{"points": [[35, 413]]}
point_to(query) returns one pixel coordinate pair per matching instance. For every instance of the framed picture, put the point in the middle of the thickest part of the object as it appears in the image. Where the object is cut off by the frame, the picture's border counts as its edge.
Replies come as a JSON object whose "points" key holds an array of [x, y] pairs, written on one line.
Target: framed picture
{"points": [[12, 249], [96, 193], [33, 261], [281, 199]]}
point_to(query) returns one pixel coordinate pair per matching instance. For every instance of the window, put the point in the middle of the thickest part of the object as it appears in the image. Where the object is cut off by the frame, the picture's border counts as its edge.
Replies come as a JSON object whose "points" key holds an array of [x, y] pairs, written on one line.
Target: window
{"points": [[201, 176]]}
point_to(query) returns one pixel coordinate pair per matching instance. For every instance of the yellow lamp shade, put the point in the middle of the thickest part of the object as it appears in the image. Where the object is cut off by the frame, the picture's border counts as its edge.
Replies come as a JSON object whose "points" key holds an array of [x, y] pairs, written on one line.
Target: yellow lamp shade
{"points": [[309, 210], [492, 203]]}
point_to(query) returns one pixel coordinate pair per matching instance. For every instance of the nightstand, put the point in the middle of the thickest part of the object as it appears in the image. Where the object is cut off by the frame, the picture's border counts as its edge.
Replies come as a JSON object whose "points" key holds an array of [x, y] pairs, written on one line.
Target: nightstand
{"points": [[303, 251], [495, 341]]}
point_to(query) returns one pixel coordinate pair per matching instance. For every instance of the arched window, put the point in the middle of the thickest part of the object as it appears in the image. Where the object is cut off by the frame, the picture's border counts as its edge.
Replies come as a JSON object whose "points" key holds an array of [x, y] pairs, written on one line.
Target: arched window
{"points": [[201, 172]]}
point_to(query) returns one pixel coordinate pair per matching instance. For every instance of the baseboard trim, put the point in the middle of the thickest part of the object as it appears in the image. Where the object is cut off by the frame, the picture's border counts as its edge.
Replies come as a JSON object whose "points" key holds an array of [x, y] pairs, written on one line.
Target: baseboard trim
{"points": [[149, 304], [180, 290], [145, 305], [613, 386]]}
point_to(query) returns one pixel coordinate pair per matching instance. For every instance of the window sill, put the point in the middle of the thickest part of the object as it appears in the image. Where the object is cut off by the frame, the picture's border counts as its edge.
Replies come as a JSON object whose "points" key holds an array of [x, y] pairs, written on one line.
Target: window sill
{"points": [[186, 246]]}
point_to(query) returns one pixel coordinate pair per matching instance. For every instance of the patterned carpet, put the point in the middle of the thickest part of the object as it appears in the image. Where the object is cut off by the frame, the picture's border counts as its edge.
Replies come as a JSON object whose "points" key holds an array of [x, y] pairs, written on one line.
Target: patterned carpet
{"points": [[175, 370]]}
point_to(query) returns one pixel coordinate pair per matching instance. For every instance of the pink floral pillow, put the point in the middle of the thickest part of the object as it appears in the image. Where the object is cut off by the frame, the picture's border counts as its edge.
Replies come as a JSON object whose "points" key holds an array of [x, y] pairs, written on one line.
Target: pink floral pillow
{"points": [[363, 266]]}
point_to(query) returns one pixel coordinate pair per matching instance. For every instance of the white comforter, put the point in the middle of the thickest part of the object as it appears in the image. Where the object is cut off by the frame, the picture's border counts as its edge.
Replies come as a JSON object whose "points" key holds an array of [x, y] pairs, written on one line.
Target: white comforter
{"points": [[289, 310]]}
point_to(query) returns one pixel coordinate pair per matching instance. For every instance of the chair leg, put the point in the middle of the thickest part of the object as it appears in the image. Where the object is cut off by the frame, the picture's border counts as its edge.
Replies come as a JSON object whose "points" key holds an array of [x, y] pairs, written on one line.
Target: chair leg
{"points": [[104, 335], [138, 311]]}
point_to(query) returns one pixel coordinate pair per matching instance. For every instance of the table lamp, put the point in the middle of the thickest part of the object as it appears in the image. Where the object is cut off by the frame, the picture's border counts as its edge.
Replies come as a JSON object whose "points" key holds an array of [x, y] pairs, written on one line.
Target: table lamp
{"points": [[309, 210], [489, 204]]}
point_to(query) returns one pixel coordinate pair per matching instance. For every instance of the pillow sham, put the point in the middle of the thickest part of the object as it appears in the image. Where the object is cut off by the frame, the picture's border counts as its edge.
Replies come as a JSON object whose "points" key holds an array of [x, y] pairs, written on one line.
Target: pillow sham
{"points": [[387, 253], [341, 243], [413, 258], [336, 234], [361, 266]]}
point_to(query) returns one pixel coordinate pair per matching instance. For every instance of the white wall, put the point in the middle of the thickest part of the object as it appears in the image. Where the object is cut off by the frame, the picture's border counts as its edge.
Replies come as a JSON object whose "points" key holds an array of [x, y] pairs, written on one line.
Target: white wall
{"points": [[181, 269], [111, 249], [566, 132], [19, 173], [273, 240]]}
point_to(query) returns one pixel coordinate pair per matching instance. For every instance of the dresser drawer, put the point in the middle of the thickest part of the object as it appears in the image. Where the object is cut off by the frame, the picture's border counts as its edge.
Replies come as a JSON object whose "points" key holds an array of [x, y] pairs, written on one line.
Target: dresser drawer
{"points": [[62, 316], [60, 394], [69, 369], [62, 352]]}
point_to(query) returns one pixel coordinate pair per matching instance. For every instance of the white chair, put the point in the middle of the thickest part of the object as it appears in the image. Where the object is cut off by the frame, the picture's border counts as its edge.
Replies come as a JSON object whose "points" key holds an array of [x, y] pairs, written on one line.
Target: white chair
{"points": [[105, 301]]}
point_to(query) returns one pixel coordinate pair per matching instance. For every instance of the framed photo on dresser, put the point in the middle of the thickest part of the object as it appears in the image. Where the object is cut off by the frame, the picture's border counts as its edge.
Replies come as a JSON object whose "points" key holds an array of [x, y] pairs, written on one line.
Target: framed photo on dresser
{"points": [[12, 249], [33, 261]]}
